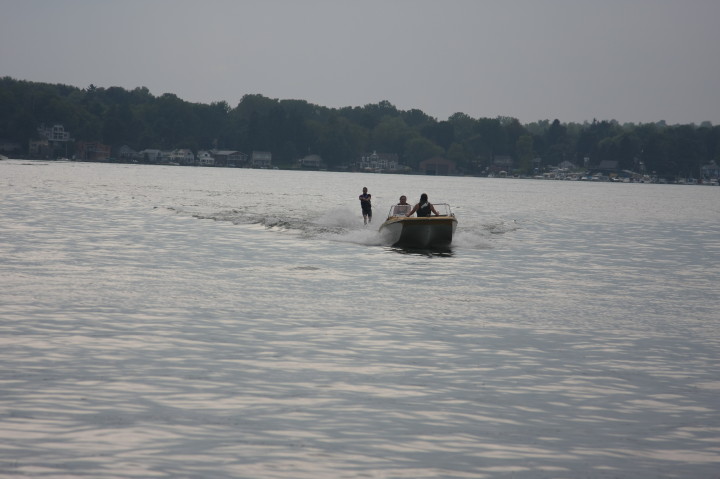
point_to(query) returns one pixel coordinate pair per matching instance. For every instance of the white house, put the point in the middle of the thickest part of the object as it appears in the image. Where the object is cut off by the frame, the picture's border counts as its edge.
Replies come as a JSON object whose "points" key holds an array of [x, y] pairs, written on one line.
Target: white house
{"points": [[152, 156], [54, 133], [311, 161], [125, 153], [261, 159], [379, 161], [711, 170], [204, 158], [182, 156], [229, 157]]}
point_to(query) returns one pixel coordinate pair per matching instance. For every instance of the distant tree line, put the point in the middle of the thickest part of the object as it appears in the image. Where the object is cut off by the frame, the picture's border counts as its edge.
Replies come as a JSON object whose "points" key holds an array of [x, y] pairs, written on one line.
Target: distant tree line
{"points": [[292, 129]]}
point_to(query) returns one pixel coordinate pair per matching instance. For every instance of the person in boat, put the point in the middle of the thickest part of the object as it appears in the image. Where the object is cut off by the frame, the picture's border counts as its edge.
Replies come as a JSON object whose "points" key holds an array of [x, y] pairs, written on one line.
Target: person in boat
{"points": [[423, 208], [366, 205], [403, 207]]}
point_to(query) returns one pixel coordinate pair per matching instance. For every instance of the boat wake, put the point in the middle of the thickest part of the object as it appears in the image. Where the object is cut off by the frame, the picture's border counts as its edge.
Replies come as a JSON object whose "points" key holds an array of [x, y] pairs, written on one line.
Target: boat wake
{"points": [[345, 226]]}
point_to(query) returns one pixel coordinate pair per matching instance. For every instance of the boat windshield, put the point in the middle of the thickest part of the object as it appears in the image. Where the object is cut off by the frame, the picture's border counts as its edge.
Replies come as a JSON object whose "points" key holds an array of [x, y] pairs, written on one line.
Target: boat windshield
{"points": [[400, 210], [443, 209]]}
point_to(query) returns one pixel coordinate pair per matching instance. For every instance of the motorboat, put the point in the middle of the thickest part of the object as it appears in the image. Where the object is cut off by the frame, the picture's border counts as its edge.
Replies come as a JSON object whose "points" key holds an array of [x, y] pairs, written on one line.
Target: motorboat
{"points": [[419, 232]]}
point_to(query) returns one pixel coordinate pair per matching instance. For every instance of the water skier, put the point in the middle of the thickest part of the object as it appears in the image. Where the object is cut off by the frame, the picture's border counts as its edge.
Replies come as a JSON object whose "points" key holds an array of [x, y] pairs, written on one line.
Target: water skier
{"points": [[366, 205]]}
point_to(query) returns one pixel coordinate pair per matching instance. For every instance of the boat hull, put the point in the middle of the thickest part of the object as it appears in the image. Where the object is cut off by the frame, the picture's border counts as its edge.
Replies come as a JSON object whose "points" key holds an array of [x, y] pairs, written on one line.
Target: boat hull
{"points": [[425, 232]]}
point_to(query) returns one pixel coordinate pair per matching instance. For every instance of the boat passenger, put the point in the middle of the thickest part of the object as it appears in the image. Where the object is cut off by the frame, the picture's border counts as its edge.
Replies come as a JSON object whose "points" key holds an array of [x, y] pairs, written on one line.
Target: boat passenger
{"points": [[423, 208], [403, 207]]}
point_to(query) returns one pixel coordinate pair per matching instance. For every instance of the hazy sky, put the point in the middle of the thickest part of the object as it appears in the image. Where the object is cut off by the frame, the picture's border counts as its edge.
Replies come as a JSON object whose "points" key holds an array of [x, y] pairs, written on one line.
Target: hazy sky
{"points": [[574, 60]]}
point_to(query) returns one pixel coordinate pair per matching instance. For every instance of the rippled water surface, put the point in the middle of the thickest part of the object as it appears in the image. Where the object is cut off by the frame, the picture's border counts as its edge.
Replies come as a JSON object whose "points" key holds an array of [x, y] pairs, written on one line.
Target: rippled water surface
{"points": [[199, 322]]}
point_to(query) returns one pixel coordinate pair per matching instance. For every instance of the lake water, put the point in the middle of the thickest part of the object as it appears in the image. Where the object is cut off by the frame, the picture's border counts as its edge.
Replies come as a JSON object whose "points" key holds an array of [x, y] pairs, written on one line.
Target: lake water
{"points": [[230, 323]]}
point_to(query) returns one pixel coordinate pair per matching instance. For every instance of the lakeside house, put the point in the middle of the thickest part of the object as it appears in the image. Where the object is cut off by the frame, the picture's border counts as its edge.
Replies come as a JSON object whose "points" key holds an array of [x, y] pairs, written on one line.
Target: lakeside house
{"points": [[261, 159], [128, 155], [53, 141], [378, 162], [710, 171], [40, 149], [501, 164], [204, 158], [56, 142], [311, 162], [92, 151], [232, 158], [182, 156], [54, 133], [151, 155], [438, 166]]}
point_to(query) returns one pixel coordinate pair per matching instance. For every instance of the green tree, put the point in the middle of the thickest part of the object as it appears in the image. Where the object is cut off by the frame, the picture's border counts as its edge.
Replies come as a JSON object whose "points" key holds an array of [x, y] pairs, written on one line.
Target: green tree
{"points": [[340, 141], [293, 128], [391, 135], [442, 133], [457, 153], [556, 144], [464, 127], [480, 152], [525, 154], [418, 149]]}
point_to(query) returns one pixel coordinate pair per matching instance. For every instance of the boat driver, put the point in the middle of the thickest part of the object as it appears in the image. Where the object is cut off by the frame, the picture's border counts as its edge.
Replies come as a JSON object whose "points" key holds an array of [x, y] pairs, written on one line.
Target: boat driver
{"points": [[424, 207]]}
